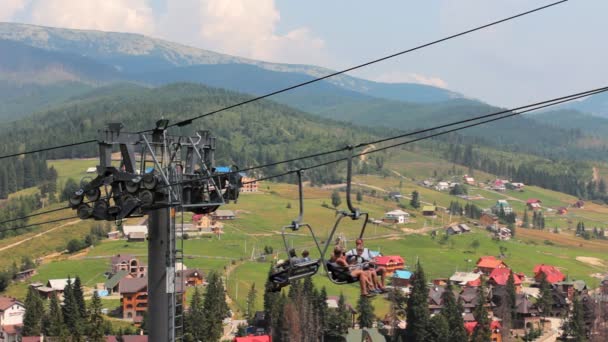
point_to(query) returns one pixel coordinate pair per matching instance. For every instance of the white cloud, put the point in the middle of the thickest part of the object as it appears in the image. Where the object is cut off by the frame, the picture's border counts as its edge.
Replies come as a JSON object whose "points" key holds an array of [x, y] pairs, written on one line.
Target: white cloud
{"points": [[404, 77], [240, 27], [106, 15], [8, 8]]}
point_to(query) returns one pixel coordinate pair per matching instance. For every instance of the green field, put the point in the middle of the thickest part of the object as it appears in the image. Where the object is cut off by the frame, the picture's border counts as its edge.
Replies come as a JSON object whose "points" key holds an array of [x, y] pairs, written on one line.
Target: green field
{"points": [[261, 216]]}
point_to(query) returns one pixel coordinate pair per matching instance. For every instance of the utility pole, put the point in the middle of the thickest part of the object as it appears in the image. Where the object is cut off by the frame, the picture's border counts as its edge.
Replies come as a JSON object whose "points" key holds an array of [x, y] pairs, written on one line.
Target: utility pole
{"points": [[157, 174], [158, 255]]}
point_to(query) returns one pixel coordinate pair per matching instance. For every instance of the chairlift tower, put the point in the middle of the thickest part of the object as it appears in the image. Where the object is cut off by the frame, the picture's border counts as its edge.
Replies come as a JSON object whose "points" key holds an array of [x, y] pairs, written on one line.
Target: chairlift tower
{"points": [[157, 175]]}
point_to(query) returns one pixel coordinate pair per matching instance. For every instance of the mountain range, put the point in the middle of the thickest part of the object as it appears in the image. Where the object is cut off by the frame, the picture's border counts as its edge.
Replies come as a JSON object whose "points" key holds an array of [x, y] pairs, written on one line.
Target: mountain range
{"points": [[42, 68]]}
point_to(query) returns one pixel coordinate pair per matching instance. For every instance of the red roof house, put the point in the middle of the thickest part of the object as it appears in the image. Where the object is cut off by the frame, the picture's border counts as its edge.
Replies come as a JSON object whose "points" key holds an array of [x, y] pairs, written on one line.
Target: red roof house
{"points": [[262, 338], [391, 263], [533, 203], [553, 274], [500, 276], [494, 326], [487, 264]]}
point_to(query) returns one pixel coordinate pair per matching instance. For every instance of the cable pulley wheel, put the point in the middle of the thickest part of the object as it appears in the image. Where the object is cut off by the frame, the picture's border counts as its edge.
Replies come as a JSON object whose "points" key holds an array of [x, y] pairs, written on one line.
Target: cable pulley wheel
{"points": [[146, 197], [149, 181], [84, 211], [76, 199], [93, 194], [131, 186]]}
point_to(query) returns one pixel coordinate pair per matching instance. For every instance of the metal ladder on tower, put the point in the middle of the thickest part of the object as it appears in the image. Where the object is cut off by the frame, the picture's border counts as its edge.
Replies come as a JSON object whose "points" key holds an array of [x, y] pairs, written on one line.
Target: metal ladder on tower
{"points": [[179, 280]]}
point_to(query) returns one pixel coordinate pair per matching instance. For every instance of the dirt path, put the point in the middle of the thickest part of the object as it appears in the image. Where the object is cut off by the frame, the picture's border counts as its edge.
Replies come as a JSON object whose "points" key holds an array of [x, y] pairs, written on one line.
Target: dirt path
{"points": [[363, 157], [341, 185], [15, 244], [596, 175]]}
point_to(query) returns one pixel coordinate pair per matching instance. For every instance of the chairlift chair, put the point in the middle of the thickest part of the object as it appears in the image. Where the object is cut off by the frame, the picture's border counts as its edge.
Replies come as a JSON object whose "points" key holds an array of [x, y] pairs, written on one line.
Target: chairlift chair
{"points": [[293, 271], [337, 274]]}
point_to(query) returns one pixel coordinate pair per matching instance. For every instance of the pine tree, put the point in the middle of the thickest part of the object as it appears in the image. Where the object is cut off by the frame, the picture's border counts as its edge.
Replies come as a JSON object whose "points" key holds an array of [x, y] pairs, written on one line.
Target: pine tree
{"points": [[34, 313], [335, 199], [215, 308], [251, 296], [366, 312], [482, 332], [196, 317], [545, 300], [96, 321], [439, 329], [575, 324], [54, 322], [418, 308], [71, 312], [415, 200], [452, 311], [339, 319], [525, 220], [511, 295], [321, 311], [79, 297]]}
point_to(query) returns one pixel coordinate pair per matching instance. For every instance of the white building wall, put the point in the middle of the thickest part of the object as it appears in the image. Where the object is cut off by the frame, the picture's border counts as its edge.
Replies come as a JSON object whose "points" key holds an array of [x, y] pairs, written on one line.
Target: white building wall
{"points": [[13, 315]]}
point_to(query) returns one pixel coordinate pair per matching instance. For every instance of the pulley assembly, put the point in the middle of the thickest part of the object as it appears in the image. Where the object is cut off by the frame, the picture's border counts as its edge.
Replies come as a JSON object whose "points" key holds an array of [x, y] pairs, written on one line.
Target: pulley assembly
{"points": [[154, 170]]}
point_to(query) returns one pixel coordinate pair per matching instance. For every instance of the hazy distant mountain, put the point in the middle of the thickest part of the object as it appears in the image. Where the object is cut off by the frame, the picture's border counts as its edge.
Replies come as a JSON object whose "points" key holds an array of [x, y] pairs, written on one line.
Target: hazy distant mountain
{"points": [[596, 105], [136, 54], [573, 119]]}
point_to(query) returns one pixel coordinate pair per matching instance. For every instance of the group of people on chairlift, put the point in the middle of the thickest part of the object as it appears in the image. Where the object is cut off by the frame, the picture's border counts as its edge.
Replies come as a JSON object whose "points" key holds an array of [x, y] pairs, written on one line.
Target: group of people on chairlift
{"points": [[360, 265]]}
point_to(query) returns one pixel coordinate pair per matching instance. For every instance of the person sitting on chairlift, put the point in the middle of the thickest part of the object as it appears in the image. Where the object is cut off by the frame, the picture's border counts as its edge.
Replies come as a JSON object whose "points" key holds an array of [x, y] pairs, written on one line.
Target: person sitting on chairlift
{"points": [[339, 257], [363, 256], [305, 255]]}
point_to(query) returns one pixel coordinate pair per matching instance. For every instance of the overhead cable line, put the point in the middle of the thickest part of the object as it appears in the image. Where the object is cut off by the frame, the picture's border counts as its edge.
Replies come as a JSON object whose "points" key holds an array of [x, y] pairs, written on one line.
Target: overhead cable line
{"points": [[190, 120], [428, 136], [563, 100], [511, 112]]}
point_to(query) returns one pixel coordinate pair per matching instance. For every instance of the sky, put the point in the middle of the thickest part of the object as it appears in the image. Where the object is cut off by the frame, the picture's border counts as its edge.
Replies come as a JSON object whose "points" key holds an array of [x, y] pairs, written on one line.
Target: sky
{"points": [[555, 52]]}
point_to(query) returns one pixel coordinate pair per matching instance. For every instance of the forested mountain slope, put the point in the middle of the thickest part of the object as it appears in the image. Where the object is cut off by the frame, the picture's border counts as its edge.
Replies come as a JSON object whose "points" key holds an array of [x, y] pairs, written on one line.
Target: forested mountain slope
{"points": [[258, 133]]}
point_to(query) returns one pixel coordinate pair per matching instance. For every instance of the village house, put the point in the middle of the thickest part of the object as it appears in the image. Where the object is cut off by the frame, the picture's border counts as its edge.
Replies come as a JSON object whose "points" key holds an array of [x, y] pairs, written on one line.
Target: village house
{"points": [[487, 219], [579, 204], [429, 210], [517, 186], [527, 314], [456, 229], [25, 274], [570, 288], [495, 327], [435, 299], [135, 233], [249, 185], [129, 263], [111, 285], [468, 298], [190, 277], [442, 186], [223, 215], [562, 211], [395, 195], [487, 264], [500, 277], [468, 180], [502, 206], [134, 298], [332, 304], [127, 338], [401, 278], [253, 338], [469, 279], [52, 286], [551, 272], [390, 262], [534, 204], [11, 319], [499, 185], [113, 235], [396, 216]]}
